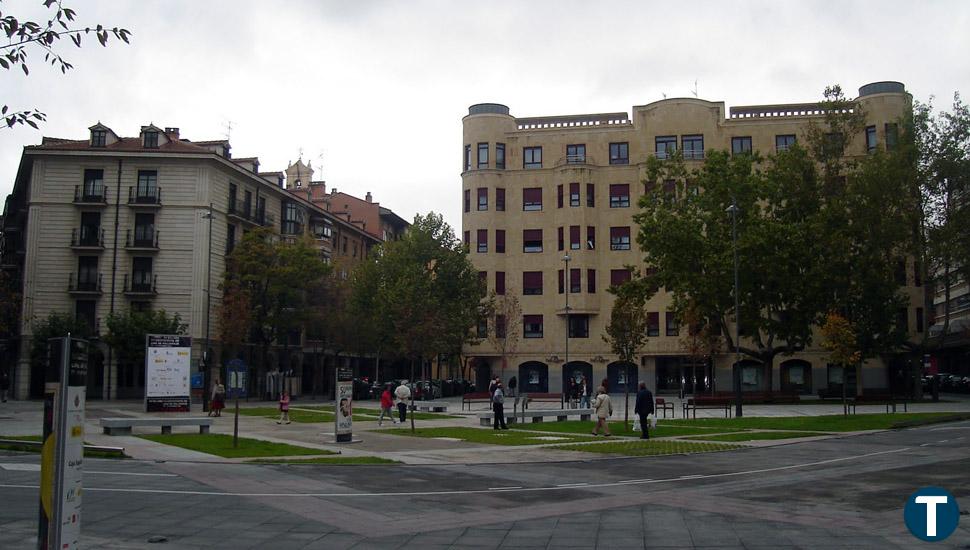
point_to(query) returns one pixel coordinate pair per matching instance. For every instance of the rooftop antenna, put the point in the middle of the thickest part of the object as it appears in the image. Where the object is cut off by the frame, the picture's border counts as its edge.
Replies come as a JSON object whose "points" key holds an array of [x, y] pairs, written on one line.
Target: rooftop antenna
{"points": [[228, 129], [694, 91]]}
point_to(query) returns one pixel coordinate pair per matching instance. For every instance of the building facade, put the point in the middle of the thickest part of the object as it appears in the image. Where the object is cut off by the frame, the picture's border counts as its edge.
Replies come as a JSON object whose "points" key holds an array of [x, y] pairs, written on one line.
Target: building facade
{"points": [[109, 223], [537, 190]]}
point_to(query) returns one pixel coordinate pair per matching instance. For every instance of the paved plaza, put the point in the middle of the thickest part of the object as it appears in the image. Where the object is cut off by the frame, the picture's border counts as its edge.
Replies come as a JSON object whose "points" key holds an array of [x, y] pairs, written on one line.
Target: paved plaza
{"points": [[839, 492]]}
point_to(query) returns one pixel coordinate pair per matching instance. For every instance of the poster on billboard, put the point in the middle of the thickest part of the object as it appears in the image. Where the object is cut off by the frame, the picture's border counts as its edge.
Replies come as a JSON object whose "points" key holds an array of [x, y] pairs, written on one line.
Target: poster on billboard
{"points": [[168, 360], [344, 404]]}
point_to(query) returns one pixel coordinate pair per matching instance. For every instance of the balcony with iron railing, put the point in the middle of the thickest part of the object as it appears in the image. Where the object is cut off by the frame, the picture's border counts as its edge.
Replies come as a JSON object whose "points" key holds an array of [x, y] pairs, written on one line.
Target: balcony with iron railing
{"points": [[141, 285], [241, 211], [149, 197], [143, 241], [89, 284], [264, 219], [91, 196], [87, 238], [576, 160]]}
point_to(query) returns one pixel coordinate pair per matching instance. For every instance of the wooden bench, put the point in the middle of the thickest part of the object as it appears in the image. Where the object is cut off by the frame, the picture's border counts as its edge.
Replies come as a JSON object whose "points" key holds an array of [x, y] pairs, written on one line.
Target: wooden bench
{"points": [[475, 397], [695, 403], [487, 418], [663, 405], [123, 426], [889, 400], [542, 398]]}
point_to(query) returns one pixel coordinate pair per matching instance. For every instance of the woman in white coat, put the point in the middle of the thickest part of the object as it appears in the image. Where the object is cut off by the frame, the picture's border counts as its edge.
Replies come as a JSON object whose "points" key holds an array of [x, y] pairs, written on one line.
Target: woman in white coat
{"points": [[603, 409]]}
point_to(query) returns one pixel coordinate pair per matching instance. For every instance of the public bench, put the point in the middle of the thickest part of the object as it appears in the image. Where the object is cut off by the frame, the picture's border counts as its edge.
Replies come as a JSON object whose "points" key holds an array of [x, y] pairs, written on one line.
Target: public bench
{"points": [[431, 406], [889, 400], [542, 398], [537, 415], [663, 405], [123, 426], [475, 397], [694, 403]]}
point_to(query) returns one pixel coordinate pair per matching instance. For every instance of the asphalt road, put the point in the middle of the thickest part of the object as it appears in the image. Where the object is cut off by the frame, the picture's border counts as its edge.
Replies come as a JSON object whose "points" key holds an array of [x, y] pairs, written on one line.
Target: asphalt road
{"points": [[835, 493]]}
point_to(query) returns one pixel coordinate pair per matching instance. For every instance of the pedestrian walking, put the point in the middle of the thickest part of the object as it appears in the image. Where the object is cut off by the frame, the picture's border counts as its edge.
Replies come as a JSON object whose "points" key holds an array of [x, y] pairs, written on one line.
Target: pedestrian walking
{"points": [[604, 409], [403, 393], [387, 406], [218, 401], [644, 408], [4, 384], [513, 382], [584, 393], [498, 407], [284, 408]]}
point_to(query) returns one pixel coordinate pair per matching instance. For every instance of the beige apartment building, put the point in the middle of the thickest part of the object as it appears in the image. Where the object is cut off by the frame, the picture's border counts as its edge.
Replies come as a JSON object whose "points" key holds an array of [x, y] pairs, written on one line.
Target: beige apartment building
{"points": [[108, 223], [539, 189]]}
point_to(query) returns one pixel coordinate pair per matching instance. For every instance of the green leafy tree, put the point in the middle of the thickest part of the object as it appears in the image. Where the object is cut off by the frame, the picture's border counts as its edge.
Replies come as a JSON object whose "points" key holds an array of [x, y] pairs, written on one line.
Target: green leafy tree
{"points": [[126, 332], [55, 325], [626, 332], [43, 37]]}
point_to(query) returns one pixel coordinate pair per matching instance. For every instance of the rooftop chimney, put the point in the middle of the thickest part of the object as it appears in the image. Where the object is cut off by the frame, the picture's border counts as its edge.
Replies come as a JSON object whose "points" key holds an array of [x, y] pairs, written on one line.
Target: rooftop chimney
{"points": [[368, 197], [172, 133]]}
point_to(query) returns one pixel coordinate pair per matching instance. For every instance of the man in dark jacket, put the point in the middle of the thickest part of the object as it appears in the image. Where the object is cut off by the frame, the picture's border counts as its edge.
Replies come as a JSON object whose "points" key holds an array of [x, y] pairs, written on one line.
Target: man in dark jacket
{"points": [[644, 407]]}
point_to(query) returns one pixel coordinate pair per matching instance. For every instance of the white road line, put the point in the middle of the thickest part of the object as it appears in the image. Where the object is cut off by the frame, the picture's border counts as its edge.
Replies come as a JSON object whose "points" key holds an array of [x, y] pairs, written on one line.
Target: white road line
{"points": [[470, 491], [694, 476], [129, 474], [17, 467], [944, 441], [635, 480], [572, 485], [504, 488]]}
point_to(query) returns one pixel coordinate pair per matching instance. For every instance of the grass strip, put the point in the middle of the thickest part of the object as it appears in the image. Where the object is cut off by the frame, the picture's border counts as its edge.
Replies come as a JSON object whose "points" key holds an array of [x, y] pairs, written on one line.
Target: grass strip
{"points": [[221, 445], [754, 436], [328, 460], [27, 448], [617, 428], [488, 435], [826, 423], [648, 448]]}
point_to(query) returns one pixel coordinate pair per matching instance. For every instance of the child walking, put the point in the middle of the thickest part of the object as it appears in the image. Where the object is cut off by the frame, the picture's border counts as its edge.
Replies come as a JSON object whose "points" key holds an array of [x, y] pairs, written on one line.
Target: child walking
{"points": [[284, 408]]}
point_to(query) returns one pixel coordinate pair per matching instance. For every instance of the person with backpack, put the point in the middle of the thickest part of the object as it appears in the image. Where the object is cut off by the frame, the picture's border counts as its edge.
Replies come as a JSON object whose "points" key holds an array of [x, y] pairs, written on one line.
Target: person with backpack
{"points": [[603, 409], [498, 407]]}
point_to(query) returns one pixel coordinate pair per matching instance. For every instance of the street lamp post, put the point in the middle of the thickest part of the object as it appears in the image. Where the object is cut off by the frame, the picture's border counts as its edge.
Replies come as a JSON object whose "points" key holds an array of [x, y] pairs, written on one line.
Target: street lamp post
{"points": [[208, 297], [565, 365], [733, 209]]}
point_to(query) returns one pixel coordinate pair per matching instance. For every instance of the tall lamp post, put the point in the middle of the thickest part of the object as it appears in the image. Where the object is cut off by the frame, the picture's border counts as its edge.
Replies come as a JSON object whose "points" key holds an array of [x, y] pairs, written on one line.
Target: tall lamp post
{"points": [[208, 298], [733, 209], [565, 365]]}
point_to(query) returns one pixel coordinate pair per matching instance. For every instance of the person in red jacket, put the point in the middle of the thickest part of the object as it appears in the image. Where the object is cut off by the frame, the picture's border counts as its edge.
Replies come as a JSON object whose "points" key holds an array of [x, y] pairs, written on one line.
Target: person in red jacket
{"points": [[387, 406]]}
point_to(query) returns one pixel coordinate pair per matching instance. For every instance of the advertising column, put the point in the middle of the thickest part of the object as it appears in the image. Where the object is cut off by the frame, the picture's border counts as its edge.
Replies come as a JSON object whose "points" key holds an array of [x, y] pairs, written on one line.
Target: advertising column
{"points": [[345, 404], [167, 372]]}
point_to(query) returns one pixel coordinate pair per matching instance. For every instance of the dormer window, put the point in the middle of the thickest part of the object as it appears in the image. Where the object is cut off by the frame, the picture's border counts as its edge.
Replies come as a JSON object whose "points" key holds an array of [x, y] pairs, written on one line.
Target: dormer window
{"points": [[99, 138], [151, 140]]}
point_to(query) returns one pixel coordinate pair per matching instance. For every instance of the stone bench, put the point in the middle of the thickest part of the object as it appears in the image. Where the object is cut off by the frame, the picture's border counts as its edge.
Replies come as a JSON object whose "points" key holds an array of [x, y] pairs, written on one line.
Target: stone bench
{"points": [[537, 415], [123, 426], [431, 406]]}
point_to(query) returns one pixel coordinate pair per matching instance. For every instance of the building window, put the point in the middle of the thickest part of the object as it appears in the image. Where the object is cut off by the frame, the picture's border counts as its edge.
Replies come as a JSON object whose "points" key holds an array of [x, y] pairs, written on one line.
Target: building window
{"points": [[466, 238], [293, 220], [144, 230], [99, 138], [532, 326], [575, 281], [590, 237], [531, 283], [784, 142], [532, 199], [467, 158], [562, 282], [591, 281], [230, 238], [620, 238], [902, 320], [574, 243], [619, 276], [741, 145], [619, 195], [574, 194], [468, 200], [653, 323], [500, 241], [90, 229], [917, 274], [892, 135], [673, 326], [532, 157], [93, 185], [482, 156], [147, 188], [141, 276], [500, 283], [483, 240], [919, 320], [482, 328], [590, 195], [344, 245], [500, 199], [87, 273], [870, 139], [576, 154], [247, 204], [151, 140], [693, 146], [559, 233], [500, 326], [85, 311], [500, 156], [665, 146], [579, 326], [260, 209], [559, 196], [233, 191], [482, 198], [620, 153], [532, 240], [900, 272]]}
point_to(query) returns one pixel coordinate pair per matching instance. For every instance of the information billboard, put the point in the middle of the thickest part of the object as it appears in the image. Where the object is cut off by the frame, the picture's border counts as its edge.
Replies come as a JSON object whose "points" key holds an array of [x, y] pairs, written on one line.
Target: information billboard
{"points": [[168, 359]]}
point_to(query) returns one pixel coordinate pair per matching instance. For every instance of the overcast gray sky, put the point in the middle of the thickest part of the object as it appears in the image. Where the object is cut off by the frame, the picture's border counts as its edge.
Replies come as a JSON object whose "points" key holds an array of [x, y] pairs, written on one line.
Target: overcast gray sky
{"points": [[378, 88]]}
